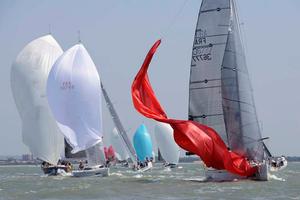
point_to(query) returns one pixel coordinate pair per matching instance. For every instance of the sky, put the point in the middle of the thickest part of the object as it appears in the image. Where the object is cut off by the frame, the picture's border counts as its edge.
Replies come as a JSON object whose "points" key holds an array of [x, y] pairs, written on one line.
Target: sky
{"points": [[118, 34]]}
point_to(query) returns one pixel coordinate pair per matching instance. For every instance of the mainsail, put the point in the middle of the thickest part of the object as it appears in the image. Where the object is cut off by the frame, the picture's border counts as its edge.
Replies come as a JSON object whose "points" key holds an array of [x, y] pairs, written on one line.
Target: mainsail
{"points": [[74, 95], [165, 142], [119, 126], [220, 94], [29, 74]]}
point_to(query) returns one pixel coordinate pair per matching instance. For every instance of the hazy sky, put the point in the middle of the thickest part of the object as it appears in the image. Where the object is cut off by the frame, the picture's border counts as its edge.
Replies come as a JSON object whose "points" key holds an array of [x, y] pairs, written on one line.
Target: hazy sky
{"points": [[118, 34]]}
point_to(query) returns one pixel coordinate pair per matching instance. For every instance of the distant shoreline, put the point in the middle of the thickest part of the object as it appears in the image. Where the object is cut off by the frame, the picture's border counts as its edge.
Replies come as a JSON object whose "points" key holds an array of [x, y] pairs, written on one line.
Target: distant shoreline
{"points": [[192, 159]]}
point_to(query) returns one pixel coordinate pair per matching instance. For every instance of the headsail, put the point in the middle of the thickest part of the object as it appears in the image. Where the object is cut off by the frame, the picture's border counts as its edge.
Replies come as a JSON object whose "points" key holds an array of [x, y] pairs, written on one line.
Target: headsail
{"points": [[241, 122], [165, 142], [29, 74], [74, 96]]}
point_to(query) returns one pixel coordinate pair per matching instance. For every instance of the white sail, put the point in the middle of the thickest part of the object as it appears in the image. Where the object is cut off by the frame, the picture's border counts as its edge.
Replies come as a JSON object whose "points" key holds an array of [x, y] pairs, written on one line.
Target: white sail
{"points": [[74, 96], [166, 144], [29, 75], [118, 145]]}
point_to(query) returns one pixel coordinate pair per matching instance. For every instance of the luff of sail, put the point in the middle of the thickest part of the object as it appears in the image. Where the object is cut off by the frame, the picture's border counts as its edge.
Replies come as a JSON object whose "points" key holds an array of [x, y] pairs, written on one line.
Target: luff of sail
{"points": [[29, 75], [165, 142], [74, 96]]}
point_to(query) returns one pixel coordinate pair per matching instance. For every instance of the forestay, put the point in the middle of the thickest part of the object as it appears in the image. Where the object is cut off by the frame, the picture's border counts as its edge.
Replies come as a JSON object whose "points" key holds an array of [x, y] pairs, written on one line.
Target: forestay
{"points": [[74, 95], [29, 75], [165, 142]]}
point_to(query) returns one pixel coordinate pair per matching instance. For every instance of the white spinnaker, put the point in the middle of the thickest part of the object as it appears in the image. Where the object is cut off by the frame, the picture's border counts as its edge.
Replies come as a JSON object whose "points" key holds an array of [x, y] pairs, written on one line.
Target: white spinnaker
{"points": [[74, 96], [165, 142], [118, 145], [29, 75]]}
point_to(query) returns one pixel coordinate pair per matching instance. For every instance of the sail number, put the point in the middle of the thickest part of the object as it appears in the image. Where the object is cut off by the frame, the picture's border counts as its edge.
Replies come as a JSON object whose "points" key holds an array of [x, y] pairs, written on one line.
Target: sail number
{"points": [[66, 85], [202, 57]]}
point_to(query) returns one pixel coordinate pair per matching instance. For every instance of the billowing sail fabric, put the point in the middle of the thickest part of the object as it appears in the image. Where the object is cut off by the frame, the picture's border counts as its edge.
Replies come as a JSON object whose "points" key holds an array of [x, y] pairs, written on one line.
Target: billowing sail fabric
{"points": [[239, 110], [109, 153], [29, 75], [205, 97], [118, 145], [189, 135], [169, 150], [142, 143], [74, 96]]}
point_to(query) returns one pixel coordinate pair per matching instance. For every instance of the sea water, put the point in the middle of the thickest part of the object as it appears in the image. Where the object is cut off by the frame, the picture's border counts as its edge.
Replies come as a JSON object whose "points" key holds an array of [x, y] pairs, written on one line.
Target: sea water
{"points": [[28, 182]]}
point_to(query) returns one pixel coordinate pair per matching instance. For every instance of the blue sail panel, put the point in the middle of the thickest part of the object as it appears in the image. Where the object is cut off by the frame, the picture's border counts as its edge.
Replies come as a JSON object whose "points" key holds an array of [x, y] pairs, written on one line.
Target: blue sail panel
{"points": [[142, 143]]}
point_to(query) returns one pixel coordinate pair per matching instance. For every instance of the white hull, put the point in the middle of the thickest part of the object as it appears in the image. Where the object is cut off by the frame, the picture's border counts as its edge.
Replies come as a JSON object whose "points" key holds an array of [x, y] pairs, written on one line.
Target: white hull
{"points": [[94, 171], [147, 168], [223, 175]]}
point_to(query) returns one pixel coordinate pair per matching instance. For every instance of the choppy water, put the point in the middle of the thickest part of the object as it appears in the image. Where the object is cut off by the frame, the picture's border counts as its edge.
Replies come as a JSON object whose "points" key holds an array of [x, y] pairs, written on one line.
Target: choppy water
{"points": [[28, 182]]}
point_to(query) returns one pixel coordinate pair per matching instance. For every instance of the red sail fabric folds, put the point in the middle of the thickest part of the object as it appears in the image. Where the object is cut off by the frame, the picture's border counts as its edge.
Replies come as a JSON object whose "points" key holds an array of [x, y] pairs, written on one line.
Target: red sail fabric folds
{"points": [[189, 135]]}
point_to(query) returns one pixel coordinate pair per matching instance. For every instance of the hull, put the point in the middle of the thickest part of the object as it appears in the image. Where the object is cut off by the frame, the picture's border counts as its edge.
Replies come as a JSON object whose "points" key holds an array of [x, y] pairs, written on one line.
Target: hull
{"points": [[223, 175], [55, 170], [146, 168], [94, 171]]}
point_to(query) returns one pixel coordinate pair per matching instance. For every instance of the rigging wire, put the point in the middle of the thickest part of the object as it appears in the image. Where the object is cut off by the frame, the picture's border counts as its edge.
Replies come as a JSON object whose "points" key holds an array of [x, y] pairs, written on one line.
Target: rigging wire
{"points": [[173, 21]]}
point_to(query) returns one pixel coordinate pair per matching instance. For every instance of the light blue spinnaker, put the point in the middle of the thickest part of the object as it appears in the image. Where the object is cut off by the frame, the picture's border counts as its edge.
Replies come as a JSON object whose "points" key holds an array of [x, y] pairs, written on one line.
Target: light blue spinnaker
{"points": [[142, 143]]}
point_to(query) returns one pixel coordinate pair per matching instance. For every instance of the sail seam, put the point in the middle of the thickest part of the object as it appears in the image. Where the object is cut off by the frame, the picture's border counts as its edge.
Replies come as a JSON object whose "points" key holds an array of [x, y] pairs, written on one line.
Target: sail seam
{"points": [[216, 35], [215, 9], [199, 88], [204, 81]]}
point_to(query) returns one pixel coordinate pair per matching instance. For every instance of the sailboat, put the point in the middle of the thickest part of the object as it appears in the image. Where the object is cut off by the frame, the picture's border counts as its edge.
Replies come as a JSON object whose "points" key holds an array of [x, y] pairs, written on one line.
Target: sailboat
{"points": [[166, 144], [143, 147], [220, 93], [222, 129], [29, 74], [116, 142], [74, 96]]}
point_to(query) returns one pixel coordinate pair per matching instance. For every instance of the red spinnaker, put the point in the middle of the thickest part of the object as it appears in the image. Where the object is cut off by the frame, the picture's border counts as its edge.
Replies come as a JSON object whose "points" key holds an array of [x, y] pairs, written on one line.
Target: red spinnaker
{"points": [[189, 135]]}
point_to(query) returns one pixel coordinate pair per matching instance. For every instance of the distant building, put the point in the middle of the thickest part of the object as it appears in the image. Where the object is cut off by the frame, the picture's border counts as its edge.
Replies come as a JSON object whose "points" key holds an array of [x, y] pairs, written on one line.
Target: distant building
{"points": [[27, 157]]}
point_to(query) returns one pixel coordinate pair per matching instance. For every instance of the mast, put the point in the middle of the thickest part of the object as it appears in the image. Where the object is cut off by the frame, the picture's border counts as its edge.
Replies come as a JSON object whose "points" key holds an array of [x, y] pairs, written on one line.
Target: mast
{"points": [[121, 131]]}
